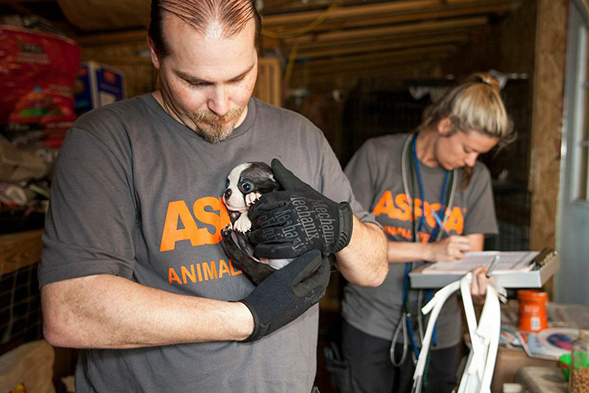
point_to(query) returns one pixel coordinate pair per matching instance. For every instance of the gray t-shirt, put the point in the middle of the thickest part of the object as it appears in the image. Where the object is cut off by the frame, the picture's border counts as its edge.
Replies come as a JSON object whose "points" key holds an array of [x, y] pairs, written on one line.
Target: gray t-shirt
{"points": [[376, 177], [136, 194]]}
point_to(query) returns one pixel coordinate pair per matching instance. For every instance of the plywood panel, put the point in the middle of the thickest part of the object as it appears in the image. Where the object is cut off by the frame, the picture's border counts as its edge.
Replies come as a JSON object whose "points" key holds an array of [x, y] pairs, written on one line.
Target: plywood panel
{"points": [[547, 120], [269, 84], [18, 250]]}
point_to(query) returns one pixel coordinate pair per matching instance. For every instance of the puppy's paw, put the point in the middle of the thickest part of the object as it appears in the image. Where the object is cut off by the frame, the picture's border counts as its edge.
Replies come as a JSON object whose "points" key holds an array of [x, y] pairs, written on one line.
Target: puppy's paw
{"points": [[243, 224], [227, 230], [251, 198]]}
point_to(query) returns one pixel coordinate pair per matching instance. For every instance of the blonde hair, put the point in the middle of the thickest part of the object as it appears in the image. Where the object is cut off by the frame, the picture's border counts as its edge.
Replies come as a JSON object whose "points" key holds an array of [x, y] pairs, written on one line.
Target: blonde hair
{"points": [[473, 105]]}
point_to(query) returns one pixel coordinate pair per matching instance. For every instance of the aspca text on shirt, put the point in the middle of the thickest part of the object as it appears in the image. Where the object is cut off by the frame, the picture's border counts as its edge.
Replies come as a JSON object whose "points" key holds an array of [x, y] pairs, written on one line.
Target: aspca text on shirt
{"points": [[199, 224], [395, 215]]}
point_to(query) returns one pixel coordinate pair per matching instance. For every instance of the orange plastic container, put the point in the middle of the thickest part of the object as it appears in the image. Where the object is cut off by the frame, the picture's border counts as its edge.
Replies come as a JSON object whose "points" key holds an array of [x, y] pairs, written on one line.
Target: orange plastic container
{"points": [[532, 310]]}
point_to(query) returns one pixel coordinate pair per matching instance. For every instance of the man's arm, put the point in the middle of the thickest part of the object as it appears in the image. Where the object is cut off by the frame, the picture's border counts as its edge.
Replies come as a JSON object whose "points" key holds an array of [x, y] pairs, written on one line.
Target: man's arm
{"points": [[106, 311], [364, 260]]}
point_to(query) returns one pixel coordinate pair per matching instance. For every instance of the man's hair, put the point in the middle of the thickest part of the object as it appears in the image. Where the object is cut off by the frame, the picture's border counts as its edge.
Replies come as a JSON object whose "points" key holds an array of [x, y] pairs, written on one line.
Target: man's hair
{"points": [[230, 16]]}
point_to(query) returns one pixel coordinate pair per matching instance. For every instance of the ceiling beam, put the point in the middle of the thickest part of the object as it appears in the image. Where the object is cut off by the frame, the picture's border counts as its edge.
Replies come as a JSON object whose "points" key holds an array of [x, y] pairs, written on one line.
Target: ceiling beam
{"points": [[342, 13], [438, 12], [378, 46], [435, 26], [326, 67], [398, 11]]}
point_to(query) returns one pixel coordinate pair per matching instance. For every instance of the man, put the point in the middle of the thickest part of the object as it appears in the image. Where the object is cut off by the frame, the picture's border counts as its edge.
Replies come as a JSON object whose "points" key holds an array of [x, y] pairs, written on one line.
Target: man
{"points": [[132, 270]]}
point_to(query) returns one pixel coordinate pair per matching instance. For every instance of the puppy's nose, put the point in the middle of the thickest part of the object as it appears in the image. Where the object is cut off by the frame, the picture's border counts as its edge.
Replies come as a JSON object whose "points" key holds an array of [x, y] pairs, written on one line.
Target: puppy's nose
{"points": [[227, 193]]}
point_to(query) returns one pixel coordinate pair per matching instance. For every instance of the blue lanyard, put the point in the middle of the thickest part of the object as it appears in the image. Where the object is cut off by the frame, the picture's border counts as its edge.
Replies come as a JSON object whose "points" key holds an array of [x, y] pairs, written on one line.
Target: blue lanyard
{"points": [[432, 238]]}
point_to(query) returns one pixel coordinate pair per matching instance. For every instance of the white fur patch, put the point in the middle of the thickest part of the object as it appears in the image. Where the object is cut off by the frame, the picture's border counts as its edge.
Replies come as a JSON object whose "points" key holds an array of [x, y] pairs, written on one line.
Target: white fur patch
{"points": [[236, 202]]}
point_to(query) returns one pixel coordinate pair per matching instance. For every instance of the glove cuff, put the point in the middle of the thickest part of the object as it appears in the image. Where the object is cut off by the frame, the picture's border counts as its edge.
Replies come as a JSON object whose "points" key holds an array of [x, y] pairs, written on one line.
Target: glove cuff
{"points": [[260, 329], [346, 227]]}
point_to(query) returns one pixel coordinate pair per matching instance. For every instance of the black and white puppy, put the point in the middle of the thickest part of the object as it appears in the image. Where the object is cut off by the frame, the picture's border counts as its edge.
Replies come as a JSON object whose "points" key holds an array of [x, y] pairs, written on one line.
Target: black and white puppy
{"points": [[245, 185]]}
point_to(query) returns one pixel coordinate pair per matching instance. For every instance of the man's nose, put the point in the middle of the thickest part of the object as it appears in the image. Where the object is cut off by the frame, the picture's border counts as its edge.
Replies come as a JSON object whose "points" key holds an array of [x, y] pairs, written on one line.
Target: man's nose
{"points": [[218, 102]]}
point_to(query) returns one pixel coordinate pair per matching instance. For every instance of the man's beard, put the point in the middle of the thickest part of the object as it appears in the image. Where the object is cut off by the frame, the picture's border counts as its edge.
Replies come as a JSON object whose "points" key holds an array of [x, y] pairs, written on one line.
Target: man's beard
{"points": [[215, 133]]}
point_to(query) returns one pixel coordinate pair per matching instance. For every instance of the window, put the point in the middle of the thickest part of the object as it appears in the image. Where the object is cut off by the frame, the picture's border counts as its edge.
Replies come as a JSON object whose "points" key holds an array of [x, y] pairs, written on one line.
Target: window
{"points": [[580, 111]]}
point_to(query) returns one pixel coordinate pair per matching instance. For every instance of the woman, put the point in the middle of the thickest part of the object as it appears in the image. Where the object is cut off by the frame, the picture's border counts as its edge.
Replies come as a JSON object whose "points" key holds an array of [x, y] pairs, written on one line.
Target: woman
{"points": [[406, 180]]}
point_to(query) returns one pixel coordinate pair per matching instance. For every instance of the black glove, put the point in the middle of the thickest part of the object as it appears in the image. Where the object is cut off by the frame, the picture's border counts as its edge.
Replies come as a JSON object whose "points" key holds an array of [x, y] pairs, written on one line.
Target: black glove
{"points": [[286, 224], [287, 293]]}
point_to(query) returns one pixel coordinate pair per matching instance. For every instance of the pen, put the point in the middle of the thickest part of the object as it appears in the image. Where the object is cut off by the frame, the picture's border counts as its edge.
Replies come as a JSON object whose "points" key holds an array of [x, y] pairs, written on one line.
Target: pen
{"points": [[493, 264], [440, 223]]}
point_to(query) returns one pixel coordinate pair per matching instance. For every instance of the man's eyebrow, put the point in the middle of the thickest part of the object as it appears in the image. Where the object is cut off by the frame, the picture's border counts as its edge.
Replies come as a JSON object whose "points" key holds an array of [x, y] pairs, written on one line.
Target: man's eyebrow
{"points": [[194, 79]]}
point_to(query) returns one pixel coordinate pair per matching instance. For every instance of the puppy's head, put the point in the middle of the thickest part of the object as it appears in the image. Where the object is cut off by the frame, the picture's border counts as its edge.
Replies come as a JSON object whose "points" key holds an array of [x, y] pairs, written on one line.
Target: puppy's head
{"points": [[244, 179]]}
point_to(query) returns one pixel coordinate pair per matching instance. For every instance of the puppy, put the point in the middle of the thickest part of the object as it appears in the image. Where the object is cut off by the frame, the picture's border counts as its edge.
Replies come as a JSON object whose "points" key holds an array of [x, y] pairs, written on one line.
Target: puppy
{"points": [[245, 185]]}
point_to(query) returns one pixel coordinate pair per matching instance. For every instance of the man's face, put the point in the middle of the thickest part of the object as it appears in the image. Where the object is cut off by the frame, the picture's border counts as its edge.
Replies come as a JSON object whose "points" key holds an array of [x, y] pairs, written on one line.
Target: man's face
{"points": [[462, 148], [207, 79]]}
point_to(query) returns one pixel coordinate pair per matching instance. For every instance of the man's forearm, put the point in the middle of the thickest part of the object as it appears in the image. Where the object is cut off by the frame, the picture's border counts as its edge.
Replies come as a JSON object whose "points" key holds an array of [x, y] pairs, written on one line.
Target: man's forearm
{"points": [[363, 261], [106, 311]]}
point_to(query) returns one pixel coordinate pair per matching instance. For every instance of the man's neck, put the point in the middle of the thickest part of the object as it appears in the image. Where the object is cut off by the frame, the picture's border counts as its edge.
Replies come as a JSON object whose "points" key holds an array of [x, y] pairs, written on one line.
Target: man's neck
{"points": [[160, 99]]}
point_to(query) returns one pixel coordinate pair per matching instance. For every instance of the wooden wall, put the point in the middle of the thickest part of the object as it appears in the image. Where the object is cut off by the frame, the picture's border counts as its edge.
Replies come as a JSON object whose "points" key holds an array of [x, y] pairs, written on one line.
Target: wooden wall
{"points": [[531, 40], [129, 53], [547, 119]]}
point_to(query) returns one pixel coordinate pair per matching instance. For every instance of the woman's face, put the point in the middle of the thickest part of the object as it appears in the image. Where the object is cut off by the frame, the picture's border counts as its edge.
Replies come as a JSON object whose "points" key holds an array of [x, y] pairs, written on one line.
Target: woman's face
{"points": [[462, 148]]}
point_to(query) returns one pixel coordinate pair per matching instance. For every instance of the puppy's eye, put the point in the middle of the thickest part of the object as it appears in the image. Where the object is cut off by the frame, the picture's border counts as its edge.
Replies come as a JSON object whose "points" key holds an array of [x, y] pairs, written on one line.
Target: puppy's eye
{"points": [[246, 187]]}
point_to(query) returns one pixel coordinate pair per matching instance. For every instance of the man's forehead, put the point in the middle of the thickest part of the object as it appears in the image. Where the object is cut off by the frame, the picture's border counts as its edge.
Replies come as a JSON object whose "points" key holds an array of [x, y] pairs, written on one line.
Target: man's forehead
{"points": [[212, 30], [199, 75]]}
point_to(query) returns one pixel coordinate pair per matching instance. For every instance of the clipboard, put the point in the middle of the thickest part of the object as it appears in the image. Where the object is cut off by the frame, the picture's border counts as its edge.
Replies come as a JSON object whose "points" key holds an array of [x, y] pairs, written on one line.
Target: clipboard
{"points": [[542, 265]]}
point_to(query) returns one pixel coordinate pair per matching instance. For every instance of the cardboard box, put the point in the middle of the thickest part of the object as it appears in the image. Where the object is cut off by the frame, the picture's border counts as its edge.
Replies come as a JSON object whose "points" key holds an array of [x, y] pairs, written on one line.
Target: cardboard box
{"points": [[98, 85]]}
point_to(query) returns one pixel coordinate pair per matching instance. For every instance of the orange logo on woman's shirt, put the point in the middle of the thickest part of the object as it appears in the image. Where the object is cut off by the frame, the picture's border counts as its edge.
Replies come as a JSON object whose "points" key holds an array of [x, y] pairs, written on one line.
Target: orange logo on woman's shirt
{"points": [[401, 208]]}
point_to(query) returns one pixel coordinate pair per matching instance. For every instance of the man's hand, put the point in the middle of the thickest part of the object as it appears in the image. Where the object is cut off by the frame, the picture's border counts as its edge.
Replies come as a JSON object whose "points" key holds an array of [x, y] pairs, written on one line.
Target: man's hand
{"points": [[448, 249], [287, 293], [286, 224]]}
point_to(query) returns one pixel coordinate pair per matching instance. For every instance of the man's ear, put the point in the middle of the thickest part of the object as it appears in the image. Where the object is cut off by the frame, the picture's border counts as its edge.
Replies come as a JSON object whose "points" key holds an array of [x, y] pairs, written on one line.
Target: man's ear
{"points": [[445, 126], [155, 59]]}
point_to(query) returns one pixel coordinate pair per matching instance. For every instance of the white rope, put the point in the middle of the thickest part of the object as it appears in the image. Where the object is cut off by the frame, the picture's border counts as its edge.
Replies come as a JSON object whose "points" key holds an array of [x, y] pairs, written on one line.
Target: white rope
{"points": [[484, 336]]}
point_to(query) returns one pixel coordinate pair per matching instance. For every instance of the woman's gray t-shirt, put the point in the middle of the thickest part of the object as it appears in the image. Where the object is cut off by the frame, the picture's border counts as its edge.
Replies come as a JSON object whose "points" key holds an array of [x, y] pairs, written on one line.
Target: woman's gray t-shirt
{"points": [[376, 177]]}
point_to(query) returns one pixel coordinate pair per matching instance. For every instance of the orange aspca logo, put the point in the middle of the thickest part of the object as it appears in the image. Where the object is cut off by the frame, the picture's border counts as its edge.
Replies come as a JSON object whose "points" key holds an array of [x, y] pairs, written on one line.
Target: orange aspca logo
{"points": [[207, 210], [401, 209]]}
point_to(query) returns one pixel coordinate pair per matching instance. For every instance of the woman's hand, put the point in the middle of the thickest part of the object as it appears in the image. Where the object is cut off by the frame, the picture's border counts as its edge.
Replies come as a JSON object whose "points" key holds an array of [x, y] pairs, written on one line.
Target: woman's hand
{"points": [[448, 249], [478, 286]]}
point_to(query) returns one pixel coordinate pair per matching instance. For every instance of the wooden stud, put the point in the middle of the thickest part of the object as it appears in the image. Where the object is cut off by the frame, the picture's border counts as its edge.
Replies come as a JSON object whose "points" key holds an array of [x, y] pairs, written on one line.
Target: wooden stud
{"points": [[435, 26]]}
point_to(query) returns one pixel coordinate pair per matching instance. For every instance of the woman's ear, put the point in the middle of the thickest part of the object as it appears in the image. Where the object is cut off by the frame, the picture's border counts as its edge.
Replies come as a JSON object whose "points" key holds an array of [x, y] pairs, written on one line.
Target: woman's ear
{"points": [[445, 126]]}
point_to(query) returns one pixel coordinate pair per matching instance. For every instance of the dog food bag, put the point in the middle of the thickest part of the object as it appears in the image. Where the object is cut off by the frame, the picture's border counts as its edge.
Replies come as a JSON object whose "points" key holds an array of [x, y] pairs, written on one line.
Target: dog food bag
{"points": [[37, 76]]}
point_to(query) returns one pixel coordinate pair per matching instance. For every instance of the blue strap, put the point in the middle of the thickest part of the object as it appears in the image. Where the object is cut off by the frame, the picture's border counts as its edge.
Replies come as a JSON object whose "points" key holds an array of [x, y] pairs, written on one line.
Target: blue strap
{"points": [[432, 238]]}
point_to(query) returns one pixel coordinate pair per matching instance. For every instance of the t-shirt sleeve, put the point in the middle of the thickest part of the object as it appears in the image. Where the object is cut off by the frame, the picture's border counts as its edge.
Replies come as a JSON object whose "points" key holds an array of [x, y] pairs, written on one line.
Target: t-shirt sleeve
{"points": [[480, 214], [337, 186], [92, 213], [362, 172]]}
